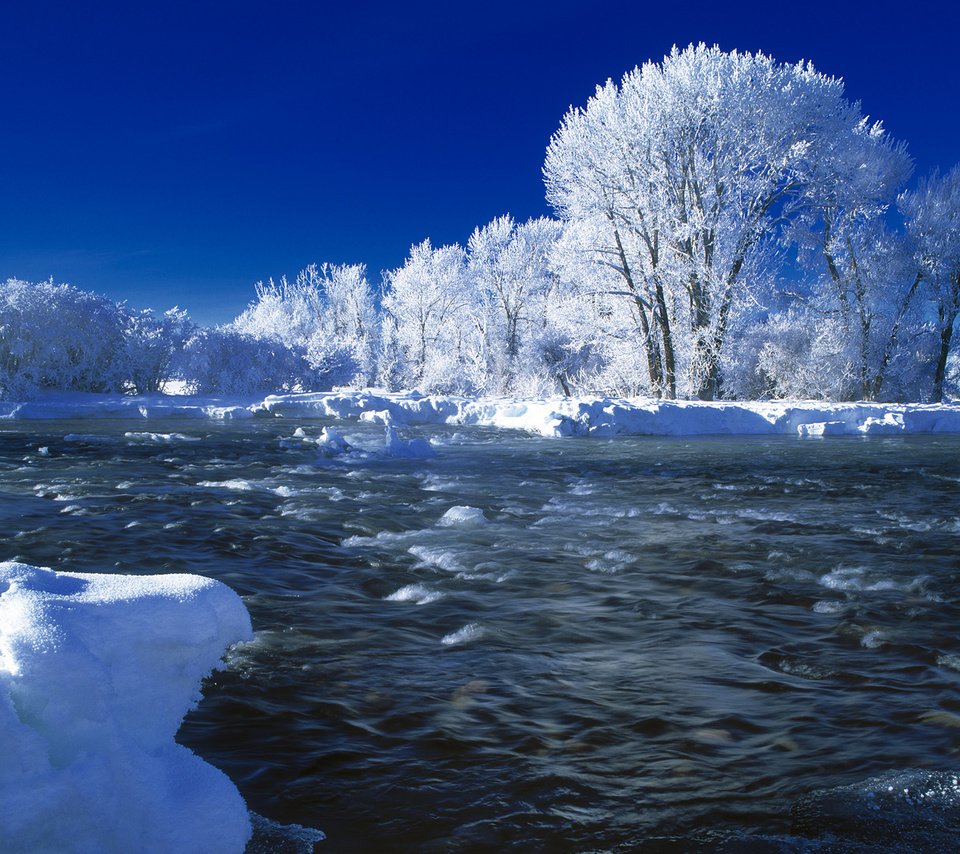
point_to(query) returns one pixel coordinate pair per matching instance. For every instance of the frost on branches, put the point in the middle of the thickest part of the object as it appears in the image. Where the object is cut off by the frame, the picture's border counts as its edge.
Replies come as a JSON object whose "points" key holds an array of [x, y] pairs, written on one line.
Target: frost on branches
{"points": [[728, 227], [695, 173]]}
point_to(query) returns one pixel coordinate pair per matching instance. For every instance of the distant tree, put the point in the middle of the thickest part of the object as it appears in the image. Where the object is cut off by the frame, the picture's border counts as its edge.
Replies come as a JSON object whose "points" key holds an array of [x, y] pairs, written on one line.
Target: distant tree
{"points": [[510, 280], [688, 170], [426, 316], [224, 360], [932, 213], [58, 337], [152, 344], [598, 328], [328, 314]]}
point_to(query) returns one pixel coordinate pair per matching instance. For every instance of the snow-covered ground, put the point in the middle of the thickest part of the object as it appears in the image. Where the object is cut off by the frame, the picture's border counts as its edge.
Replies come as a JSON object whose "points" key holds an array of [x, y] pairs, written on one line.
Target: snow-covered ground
{"points": [[96, 674], [589, 416]]}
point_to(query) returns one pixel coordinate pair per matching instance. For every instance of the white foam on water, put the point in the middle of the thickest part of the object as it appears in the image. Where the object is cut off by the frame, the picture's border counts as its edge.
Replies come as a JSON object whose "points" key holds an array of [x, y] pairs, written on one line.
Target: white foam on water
{"points": [[766, 516], [269, 837], [159, 438], [238, 484], [287, 491], [419, 594], [828, 607], [380, 538], [952, 662], [438, 558], [613, 561], [844, 578], [89, 439], [437, 483], [470, 632]]}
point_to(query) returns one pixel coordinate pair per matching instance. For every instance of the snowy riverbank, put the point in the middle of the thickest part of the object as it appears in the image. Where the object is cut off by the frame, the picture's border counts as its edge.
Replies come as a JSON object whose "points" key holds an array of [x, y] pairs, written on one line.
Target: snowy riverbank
{"points": [[589, 416], [96, 674]]}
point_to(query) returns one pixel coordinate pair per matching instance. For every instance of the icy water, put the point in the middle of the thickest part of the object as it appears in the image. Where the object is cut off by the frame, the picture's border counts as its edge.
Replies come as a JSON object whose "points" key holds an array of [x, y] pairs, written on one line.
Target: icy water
{"points": [[533, 644]]}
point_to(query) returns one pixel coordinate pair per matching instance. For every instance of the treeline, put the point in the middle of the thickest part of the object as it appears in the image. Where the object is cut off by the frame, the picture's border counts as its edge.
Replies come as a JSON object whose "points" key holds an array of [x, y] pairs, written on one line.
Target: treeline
{"points": [[727, 226]]}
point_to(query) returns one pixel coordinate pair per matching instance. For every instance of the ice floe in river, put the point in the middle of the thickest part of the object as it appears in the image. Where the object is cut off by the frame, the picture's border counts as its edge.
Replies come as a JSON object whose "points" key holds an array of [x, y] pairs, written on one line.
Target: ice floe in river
{"points": [[96, 674], [586, 416]]}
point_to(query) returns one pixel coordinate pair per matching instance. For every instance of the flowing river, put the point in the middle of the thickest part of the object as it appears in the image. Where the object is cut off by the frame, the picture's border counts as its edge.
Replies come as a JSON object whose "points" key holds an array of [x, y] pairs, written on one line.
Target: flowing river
{"points": [[533, 644]]}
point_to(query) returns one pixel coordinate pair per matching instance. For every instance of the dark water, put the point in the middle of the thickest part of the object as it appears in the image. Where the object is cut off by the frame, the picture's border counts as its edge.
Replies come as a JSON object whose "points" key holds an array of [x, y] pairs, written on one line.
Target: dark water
{"points": [[641, 644]]}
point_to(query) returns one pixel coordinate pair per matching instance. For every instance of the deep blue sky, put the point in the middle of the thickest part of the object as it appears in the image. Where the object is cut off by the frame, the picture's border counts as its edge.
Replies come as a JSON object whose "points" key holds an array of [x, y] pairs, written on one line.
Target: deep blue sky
{"points": [[176, 152]]}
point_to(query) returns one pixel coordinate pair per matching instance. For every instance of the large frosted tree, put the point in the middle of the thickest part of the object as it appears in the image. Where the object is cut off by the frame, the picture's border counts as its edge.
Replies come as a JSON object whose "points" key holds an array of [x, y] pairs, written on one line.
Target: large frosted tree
{"points": [[690, 168], [933, 222]]}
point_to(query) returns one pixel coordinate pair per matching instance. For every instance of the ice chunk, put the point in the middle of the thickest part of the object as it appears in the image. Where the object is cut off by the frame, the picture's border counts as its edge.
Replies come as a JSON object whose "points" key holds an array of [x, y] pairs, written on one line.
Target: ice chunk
{"points": [[888, 423], [463, 517], [96, 674], [332, 443], [823, 428], [406, 448]]}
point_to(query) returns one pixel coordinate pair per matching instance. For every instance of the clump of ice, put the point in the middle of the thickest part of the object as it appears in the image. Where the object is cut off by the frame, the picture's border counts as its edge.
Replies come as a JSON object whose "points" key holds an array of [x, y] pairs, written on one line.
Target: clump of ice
{"points": [[463, 517], [378, 416], [96, 674], [331, 443], [417, 449]]}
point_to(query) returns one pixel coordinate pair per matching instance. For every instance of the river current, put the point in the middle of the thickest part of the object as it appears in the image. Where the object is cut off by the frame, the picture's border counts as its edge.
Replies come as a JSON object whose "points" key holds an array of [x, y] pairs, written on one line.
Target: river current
{"points": [[533, 644]]}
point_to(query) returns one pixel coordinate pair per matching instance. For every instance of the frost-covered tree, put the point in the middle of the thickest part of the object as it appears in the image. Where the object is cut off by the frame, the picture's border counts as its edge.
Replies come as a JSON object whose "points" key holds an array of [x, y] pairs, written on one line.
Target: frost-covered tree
{"points": [[58, 337], [328, 314], [510, 281], [868, 281], [426, 321], [600, 329], [932, 212], [224, 360], [689, 168], [152, 343]]}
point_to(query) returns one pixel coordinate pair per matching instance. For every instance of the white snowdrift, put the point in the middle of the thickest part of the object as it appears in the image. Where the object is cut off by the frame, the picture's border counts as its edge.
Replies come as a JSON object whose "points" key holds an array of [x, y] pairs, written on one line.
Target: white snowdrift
{"points": [[600, 416], [96, 674], [589, 416], [83, 405]]}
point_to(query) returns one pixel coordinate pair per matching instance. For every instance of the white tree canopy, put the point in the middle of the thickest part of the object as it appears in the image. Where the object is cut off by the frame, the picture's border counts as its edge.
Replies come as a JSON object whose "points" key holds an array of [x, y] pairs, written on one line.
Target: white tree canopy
{"points": [[692, 166]]}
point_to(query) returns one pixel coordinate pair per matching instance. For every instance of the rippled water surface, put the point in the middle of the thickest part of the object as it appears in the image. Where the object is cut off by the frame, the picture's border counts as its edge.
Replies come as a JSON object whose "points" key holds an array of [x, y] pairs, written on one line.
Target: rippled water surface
{"points": [[533, 644]]}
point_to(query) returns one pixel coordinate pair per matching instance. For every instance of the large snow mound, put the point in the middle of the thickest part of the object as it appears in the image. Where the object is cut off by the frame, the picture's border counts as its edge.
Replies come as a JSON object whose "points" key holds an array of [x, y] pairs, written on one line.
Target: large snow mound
{"points": [[96, 674], [586, 416], [601, 416]]}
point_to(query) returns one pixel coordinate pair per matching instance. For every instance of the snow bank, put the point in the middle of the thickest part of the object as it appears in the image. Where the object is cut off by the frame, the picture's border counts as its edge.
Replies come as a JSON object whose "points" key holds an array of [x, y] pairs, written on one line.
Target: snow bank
{"points": [[82, 405], [96, 674], [590, 416], [623, 417]]}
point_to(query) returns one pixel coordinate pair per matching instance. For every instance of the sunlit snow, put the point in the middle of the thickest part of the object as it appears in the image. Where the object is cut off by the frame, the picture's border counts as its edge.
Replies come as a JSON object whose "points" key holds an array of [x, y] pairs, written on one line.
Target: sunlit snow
{"points": [[96, 674]]}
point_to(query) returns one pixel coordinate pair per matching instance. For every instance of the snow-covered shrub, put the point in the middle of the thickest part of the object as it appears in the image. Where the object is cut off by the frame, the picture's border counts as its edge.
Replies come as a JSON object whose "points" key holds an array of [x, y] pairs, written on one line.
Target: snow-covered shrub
{"points": [[807, 355], [327, 314], [223, 360], [58, 337], [152, 343]]}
